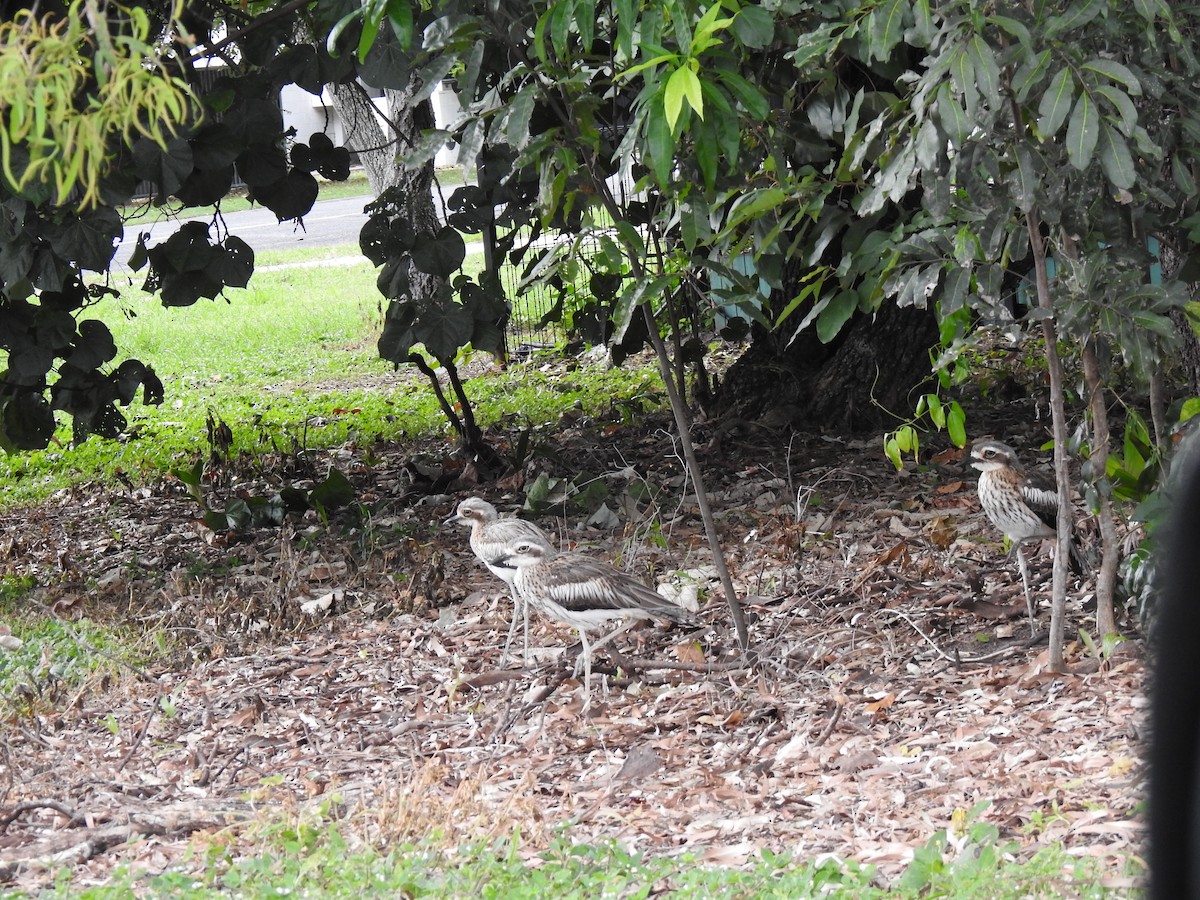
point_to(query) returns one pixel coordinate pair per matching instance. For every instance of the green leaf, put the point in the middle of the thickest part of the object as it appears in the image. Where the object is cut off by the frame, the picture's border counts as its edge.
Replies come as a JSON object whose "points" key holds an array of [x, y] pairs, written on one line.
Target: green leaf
{"points": [[1121, 104], [1115, 158], [471, 143], [332, 493], [520, 110], [237, 515], [908, 440], [924, 30], [692, 89], [815, 281], [560, 27], [444, 329], [747, 94], [841, 307], [442, 254], [631, 299], [427, 147], [1181, 174], [366, 38], [1030, 74], [400, 14], [886, 28], [954, 119], [1152, 9], [1190, 408], [650, 63], [681, 85], [660, 141], [1112, 69], [954, 293], [753, 204], [1076, 16], [1056, 104], [813, 47], [891, 449], [584, 15], [625, 14], [1083, 131], [937, 412], [962, 73], [342, 24], [707, 30], [1013, 27], [1024, 180], [987, 73], [754, 27], [956, 424]]}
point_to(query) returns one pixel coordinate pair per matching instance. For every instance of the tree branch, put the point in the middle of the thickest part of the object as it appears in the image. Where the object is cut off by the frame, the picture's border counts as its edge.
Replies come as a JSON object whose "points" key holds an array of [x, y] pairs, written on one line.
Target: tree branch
{"points": [[419, 361], [279, 12]]}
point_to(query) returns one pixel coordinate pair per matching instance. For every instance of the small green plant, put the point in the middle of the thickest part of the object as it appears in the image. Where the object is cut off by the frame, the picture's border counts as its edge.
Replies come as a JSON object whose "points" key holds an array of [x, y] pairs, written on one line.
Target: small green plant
{"points": [[1134, 471], [546, 492], [14, 587], [906, 439], [1107, 646], [1040, 820], [259, 511]]}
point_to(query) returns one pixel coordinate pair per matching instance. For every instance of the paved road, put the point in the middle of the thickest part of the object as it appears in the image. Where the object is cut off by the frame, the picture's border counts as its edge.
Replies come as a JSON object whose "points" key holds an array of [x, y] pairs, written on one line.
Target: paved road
{"points": [[330, 222]]}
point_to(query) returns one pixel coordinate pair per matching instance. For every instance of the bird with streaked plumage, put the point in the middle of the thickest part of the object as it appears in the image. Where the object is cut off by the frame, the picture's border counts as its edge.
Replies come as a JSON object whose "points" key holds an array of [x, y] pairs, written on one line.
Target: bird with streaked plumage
{"points": [[490, 538], [1023, 506], [587, 594]]}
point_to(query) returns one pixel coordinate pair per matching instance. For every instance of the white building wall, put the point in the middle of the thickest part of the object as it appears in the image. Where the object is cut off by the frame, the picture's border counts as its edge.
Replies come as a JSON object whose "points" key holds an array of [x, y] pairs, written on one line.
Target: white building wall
{"points": [[307, 114]]}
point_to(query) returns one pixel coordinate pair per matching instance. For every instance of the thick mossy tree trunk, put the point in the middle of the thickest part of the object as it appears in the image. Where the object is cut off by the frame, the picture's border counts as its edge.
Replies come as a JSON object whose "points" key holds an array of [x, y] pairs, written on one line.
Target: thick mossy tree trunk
{"points": [[862, 380]]}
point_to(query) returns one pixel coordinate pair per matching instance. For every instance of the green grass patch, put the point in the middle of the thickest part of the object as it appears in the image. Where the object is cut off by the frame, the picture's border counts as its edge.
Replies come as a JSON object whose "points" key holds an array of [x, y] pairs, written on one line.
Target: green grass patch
{"points": [[55, 656], [316, 861], [289, 363]]}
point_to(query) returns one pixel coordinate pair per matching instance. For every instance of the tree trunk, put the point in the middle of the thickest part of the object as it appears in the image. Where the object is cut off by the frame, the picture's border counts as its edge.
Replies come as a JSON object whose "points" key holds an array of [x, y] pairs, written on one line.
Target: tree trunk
{"points": [[862, 380], [377, 150], [1110, 552], [380, 156]]}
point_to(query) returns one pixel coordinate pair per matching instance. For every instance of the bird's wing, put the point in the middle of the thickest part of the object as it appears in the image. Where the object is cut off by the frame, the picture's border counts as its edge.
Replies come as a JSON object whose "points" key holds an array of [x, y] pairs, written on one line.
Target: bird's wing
{"points": [[579, 583], [1042, 497]]}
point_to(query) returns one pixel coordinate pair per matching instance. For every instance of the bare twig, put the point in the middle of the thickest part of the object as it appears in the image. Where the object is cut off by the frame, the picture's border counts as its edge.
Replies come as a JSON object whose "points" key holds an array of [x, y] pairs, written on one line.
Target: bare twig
{"points": [[141, 735], [833, 720], [21, 808]]}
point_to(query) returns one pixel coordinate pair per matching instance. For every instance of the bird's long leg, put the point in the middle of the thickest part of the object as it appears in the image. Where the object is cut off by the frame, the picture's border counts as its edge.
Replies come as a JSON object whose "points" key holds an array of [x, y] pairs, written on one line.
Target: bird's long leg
{"points": [[1025, 581], [525, 619], [587, 669], [519, 608]]}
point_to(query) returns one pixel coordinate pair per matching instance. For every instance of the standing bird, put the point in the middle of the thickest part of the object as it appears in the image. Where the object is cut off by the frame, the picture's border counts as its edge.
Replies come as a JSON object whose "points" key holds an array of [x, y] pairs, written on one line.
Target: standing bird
{"points": [[490, 540], [1023, 506], [585, 593]]}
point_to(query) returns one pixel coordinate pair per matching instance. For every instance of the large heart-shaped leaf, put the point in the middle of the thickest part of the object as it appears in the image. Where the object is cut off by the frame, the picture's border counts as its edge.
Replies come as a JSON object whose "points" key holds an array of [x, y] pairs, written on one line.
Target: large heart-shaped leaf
{"points": [[441, 255]]}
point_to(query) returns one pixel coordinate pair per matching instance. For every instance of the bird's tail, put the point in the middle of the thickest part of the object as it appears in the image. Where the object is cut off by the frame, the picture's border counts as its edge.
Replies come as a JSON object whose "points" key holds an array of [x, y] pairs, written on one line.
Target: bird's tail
{"points": [[672, 612]]}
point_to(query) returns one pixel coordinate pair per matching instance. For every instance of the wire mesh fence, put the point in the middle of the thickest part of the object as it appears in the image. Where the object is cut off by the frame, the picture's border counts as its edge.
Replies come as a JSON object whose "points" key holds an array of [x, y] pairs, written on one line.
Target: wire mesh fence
{"points": [[545, 314]]}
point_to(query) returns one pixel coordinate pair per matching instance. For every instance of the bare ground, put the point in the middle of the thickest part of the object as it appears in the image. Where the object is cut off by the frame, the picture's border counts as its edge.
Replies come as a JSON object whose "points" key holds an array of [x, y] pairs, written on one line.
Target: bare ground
{"points": [[358, 665]]}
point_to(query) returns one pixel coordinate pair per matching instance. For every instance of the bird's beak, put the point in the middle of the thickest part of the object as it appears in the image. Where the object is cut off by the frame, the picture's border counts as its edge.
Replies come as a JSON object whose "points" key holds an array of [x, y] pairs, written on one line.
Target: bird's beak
{"points": [[454, 518]]}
